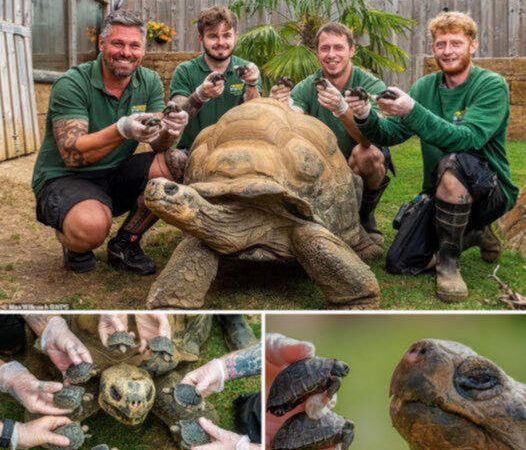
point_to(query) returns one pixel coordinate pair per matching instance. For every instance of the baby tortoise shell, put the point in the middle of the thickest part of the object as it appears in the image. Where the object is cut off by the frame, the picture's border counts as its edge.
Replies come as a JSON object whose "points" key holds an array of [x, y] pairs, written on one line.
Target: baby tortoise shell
{"points": [[359, 92], [186, 395], [74, 432], [388, 94], [320, 82], [192, 434], [241, 70], [286, 81], [163, 346], [81, 373], [71, 397], [217, 77], [121, 341]]}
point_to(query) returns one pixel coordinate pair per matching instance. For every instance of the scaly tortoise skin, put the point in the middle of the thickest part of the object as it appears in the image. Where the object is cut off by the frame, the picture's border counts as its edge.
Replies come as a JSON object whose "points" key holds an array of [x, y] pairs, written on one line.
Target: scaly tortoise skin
{"points": [[125, 391], [302, 432], [265, 183], [445, 396], [300, 380]]}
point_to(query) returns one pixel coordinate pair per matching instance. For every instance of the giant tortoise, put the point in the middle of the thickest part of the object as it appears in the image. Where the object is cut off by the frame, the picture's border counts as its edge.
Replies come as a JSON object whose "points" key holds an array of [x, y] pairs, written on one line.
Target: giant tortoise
{"points": [[265, 183], [124, 390], [445, 396]]}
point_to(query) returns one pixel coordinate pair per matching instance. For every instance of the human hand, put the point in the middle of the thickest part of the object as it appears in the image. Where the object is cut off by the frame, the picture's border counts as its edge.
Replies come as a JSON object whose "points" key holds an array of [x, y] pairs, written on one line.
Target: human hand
{"points": [[280, 352], [62, 346], [281, 93], [360, 107], [111, 323], [221, 439], [208, 378], [251, 75], [40, 431], [400, 107], [131, 127], [36, 396], [175, 122], [208, 89], [332, 99], [151, 325]]}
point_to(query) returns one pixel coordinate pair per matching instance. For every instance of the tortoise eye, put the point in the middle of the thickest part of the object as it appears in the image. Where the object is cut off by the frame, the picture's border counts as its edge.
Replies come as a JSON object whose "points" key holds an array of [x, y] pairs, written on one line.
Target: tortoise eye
{"points": [[478, 379], [115, 393]]}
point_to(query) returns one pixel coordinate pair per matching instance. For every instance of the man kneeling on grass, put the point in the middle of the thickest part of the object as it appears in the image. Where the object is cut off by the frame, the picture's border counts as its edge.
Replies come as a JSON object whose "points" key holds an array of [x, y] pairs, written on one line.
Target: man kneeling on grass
{"points": [[460, 114]]}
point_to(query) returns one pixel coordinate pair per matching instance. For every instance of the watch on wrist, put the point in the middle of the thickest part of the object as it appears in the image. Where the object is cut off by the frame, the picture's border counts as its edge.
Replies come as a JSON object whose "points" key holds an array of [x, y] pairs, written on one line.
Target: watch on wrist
{"points": [[7, 433], [251, 84]]}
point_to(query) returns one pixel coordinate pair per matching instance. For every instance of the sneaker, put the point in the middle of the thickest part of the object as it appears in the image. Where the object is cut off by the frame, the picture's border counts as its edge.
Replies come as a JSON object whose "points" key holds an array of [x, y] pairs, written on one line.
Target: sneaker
{"points": [[125, 251], [79, 262]]}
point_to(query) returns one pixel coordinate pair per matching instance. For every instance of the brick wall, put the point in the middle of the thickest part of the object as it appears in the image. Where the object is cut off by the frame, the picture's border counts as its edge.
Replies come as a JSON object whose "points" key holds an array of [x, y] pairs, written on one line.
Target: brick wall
{"points": [[514, 71]]}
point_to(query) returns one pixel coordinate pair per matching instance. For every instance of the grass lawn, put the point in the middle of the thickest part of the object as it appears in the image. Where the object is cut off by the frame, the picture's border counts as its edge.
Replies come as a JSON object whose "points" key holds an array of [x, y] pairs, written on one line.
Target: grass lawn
{"points": [[153, 433]]}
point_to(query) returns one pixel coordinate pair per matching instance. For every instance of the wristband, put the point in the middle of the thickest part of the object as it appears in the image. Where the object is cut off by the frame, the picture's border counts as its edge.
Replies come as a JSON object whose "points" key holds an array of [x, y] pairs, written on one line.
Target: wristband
{"points": [[14, 436], [199, 93], [7, 432], [243, 443], [250, 84]]}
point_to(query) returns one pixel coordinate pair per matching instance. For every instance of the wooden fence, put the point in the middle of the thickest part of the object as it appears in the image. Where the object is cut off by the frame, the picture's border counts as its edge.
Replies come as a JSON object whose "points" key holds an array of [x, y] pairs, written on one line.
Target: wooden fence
{"points": [[502, 26], [18, 121]]}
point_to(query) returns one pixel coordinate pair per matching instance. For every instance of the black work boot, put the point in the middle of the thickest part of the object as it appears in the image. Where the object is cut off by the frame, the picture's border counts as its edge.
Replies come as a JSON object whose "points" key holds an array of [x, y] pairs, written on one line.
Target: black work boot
{"points": [[125, 251], [489, 243], [370, 200], [450, 220], [79, 262], [236, 331]]}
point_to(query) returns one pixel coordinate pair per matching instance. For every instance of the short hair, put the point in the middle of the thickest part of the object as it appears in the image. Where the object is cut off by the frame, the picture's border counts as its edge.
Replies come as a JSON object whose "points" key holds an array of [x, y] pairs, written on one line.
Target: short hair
{"points": [[124, 17], [334, 28], [453, 22], [213, 16]]}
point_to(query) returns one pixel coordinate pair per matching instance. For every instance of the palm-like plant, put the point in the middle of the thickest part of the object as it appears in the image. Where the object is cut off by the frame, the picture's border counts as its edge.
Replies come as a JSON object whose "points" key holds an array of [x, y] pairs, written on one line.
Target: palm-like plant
{"points": [[287, 49]]}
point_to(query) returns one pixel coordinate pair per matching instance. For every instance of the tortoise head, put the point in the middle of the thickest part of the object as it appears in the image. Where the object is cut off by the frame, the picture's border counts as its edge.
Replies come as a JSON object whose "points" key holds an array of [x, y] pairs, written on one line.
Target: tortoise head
{"points": [[444, 395], [340, 368], [126, 393]]}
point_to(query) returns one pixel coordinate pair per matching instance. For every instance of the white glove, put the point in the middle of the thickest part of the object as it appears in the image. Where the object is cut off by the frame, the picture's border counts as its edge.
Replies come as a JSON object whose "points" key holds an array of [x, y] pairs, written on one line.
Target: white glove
{"points": [[360, 108], [208, 89], [332, 99], [222, 439], [318, 405], [401, 107], [152, 325], [281, 93], [36, 396], [39, 432], [175, 122], [62, 346], [251, 76], [207, 379], [130, 127], [111, 323], [280, 350]]}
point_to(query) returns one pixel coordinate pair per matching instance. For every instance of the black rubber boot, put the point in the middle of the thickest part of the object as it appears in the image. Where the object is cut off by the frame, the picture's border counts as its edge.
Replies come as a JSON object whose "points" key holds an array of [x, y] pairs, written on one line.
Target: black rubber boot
{"points": [[370, 200], [451, 221], [125, 251], [236, 331], [12, 334], [489, 243], [79, 262]]}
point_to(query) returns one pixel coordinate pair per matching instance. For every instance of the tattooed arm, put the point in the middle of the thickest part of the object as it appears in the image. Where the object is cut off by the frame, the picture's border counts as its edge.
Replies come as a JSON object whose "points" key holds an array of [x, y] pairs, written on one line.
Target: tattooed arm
{"points": [[192, 105], [243, 363], [80, 149]]}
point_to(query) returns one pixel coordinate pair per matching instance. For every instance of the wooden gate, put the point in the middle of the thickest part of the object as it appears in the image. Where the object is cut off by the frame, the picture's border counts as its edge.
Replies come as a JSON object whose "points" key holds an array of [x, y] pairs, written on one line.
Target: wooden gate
{"points": [[18, 124]]}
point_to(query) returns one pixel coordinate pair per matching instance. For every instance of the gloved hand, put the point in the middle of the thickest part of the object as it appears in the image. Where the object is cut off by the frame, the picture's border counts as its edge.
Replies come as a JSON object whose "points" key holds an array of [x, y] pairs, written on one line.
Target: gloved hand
{"points": [[360, 108], [282, 93], [111, 323], [39, 432], [280, 352], [222, 439], [151, 325], [130, 127], [36, 396], [332, 99], [208, 378], [175, 122], [251, 76], [401, 107], [62, 346], [208, 90]]}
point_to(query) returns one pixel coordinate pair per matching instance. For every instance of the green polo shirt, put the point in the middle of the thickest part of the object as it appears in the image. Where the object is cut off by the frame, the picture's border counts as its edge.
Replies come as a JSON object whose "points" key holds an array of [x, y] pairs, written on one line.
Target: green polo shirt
{"points": [[185, 80], [80, 94], [305, 95], [472, 117]]}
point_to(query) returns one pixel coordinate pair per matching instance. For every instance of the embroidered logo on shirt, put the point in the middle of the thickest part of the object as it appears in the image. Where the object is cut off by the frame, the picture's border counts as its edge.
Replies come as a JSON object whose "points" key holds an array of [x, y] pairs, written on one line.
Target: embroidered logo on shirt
{"points": [[458, 117], [138, 109], [236, 89]]}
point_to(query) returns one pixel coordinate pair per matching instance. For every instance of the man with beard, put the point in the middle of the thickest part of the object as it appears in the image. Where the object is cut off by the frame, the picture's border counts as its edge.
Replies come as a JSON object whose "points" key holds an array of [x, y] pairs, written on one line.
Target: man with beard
{"points": [[324, 99], [460, 114], [86, 171], [208, 86]]}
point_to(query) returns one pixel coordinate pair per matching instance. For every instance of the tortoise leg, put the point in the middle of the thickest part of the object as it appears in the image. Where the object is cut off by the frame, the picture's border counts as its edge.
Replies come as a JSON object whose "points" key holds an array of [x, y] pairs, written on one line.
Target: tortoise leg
{"points": [[334, 385], [185, 280], [342, 276]]}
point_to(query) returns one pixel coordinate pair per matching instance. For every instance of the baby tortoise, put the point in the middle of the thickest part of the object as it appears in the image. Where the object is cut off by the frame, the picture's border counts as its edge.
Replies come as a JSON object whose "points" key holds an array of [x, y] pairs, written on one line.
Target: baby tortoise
{"points": [[302, 432], [191, 433], [388, 94], [186, 396], [359, 92], [286, 81], [217, 77], [71, 397], [151, 122], [171, 107], [74, 432], [81, 373], [163, 359], [121, 341], [321, 82], [162, 346], [241, 70], [300, 380]]}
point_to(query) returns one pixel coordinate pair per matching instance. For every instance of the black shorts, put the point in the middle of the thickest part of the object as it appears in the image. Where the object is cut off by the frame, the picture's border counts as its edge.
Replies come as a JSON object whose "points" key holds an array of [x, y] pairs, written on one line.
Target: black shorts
{"points": [[116, 188], [474, 172]]}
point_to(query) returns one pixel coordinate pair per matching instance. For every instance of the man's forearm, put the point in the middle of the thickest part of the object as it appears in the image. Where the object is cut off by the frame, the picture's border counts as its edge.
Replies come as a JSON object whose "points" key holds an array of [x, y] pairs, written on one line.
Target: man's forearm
{"points": [[192, 105], [348, 122], [243, 363], [251, 93], [163, 142]]}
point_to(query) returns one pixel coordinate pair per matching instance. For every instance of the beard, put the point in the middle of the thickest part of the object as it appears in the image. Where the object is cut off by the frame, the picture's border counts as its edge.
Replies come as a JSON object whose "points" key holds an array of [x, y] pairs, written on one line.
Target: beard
{"points": [[116, 71], [463, 62], [224, 57]]}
